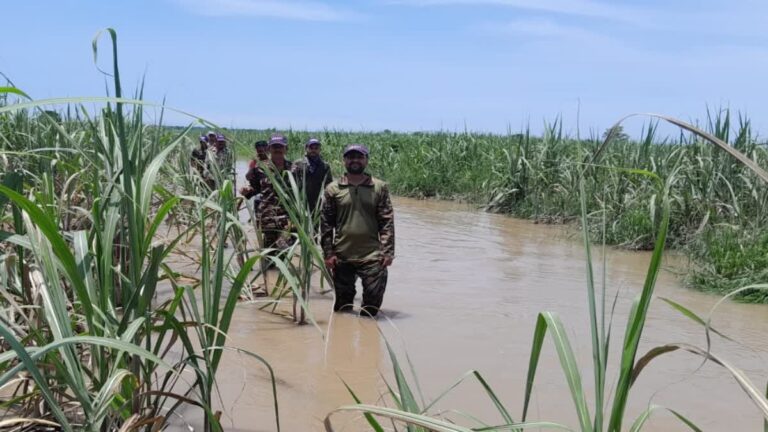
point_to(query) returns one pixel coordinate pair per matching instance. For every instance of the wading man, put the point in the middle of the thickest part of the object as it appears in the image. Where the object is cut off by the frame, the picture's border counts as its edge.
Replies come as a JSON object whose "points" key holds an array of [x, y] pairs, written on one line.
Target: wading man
{"points": [[200, 155], [211, 138], [255, 172], [358, 233], [262, 152], [312, 173], [225, 162], [274, 219]]}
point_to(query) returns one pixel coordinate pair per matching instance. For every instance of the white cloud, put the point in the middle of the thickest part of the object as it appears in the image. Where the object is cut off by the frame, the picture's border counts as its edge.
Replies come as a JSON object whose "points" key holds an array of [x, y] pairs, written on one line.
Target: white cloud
{"points": [[284, 9], [541, 28], [737, 18], [585, 8]]}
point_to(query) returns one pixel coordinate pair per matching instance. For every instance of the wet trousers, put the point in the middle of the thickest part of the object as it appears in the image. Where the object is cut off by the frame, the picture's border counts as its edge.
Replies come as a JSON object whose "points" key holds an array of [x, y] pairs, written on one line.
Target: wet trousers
{"points": [[374, 280], [275, 238], [278, 239]]}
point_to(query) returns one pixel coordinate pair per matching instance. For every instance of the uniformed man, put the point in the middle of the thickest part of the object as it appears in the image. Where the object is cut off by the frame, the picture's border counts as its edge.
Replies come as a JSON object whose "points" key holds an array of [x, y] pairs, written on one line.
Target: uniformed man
{"points": [[358, 233], [200, 155], [255, 173], [211, 136], [312, 173], [274, 218], [224, 160], [262, 151]]}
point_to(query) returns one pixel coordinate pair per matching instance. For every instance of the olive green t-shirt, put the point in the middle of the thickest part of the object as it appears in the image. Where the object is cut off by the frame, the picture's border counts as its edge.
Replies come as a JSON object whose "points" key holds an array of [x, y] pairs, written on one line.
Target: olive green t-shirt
{"points": [[358, 220]]}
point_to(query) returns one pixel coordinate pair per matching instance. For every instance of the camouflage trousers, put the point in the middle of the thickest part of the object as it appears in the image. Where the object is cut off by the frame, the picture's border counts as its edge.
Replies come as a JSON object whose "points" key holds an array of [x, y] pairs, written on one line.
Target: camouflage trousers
{"points": [[277, 238], [275, 229], [373, 277]]}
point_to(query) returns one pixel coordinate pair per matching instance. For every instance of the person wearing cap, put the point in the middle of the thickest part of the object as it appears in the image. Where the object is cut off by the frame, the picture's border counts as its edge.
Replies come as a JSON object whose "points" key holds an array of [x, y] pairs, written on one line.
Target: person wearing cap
{"points": [[211, 135], [254, 173], [274, 218], [312, 173], [200, 155], [262, 153], [358, 233], [223, 158]]}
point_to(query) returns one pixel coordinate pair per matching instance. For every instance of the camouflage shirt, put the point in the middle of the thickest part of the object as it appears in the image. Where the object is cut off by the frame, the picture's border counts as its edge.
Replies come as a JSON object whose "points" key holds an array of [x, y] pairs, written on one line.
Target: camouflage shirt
{"points": [[224, 161], [358, 222], [253, 176], [273, 215], [198, 159]]}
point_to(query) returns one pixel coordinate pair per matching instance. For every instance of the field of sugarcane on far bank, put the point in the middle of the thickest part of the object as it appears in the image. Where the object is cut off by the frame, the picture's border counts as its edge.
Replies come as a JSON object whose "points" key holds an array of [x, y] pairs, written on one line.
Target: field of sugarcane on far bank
{"points": [[719, 207]]}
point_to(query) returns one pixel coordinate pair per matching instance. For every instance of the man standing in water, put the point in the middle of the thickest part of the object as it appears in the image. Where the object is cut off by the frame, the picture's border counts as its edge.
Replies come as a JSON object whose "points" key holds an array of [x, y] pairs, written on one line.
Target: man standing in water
{"points": [[254, 173], [262, 153], [200, 155], [223, 159], [211, 138], [358, 233], [274, 218], [312, 173]]}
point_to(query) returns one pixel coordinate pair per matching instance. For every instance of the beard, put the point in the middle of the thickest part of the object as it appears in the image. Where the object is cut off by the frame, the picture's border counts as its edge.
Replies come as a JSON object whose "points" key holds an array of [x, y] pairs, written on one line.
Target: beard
{"points": [[355, 169]]}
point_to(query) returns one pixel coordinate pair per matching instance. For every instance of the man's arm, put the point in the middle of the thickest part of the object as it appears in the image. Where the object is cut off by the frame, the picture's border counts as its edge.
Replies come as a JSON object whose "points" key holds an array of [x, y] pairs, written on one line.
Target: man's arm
{"points": [[254, 179], [254, 183], [386, 221], [328, 223], [327, 228]]}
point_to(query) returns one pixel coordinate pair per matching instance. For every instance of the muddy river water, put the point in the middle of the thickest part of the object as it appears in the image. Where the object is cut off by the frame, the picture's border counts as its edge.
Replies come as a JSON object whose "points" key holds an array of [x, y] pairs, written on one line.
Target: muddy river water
{"points": [[464, 293]]}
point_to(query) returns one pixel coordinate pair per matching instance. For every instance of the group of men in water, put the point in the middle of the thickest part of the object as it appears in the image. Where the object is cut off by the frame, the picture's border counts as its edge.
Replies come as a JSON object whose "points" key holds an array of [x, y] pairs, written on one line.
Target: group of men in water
{"points": [[221, 162], [357, 231]]}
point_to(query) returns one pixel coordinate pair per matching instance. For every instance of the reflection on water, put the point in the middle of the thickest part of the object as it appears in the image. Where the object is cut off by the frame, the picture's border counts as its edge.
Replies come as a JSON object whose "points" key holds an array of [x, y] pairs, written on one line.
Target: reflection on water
{"points": [[463, 294]]}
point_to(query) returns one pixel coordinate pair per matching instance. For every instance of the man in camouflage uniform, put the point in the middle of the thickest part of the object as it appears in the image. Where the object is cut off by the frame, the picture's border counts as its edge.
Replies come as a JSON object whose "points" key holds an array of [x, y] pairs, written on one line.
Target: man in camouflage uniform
{"points": [[312, 173], [200, 155], [211, 137], [200, 161], [224, 160], [254, 173], [221, 162], [358, 233], [274, 218], [262, 153]]}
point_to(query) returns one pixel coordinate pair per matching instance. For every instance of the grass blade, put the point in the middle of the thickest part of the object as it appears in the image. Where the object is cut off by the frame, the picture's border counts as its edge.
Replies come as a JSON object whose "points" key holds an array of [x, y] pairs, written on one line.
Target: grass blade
{"points": [[548, 321], [398, 415], [368, 417]]}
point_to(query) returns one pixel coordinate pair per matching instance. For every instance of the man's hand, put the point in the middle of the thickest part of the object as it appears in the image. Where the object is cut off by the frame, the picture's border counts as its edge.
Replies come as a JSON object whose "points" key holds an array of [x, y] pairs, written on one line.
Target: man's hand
{"points": [[330, 263], [386, 261], [245, 190]]}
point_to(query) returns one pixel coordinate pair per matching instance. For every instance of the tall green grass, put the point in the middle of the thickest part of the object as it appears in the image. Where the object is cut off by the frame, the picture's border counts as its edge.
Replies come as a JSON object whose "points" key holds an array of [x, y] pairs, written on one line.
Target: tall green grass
{"points": [[537, 177], [100, 329], [607, 411]]}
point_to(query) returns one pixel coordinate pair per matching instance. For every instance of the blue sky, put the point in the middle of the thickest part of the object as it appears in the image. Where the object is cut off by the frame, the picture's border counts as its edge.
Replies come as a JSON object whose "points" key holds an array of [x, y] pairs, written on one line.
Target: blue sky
{"points": [[404, 64]]}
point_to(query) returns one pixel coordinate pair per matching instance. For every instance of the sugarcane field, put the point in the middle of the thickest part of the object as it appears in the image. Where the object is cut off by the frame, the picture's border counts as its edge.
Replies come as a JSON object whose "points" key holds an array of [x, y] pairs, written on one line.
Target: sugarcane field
{"points": [[412, 215]]}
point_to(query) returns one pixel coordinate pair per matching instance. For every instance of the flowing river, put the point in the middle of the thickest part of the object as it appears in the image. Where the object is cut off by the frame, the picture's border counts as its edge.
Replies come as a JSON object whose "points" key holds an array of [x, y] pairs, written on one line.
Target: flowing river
{"points": [[464, 293]]}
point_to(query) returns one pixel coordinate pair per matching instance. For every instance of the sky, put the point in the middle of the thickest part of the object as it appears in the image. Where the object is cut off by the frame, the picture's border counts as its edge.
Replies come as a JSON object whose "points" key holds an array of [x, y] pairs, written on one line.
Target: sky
{"points": [[480, 65]]}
